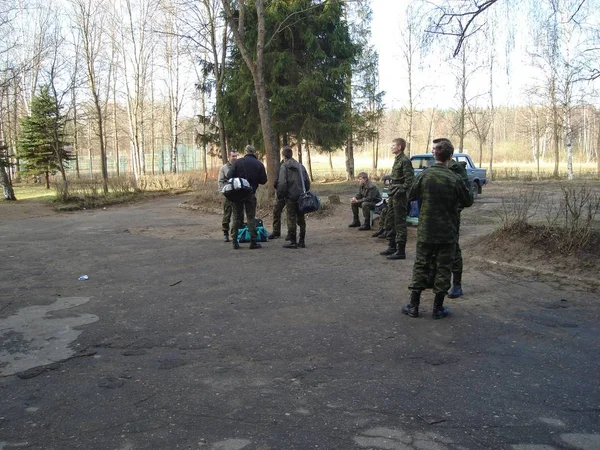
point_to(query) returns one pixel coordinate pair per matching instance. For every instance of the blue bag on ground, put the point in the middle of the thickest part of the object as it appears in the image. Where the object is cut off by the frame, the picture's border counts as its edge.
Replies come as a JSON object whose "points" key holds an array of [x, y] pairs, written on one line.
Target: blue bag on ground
{"points": [[261, 232]]}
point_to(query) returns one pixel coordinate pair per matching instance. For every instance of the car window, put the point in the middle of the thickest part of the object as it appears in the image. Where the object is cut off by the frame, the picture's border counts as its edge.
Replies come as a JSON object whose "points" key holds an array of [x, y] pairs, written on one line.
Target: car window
{"points": [[462, 159], [422, 162]]}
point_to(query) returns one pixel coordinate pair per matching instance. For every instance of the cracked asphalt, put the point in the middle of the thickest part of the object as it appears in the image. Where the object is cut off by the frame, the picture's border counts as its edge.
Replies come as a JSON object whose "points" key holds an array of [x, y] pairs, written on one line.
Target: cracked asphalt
{"points": [[178, 341]]}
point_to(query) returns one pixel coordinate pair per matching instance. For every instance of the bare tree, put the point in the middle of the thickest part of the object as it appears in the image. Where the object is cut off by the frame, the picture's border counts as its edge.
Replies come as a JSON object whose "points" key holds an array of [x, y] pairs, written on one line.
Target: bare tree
{"points": [[210, 33], [89, 20], [481, 121], [459, 20], [254, 59], [137, 48], [172, 40], [411, 46]]}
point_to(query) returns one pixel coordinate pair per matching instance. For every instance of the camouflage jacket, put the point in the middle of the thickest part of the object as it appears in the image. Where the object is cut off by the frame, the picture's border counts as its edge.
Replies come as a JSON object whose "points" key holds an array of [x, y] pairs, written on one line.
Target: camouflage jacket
{"points": [[439, 192], [403, 174], [223, 175], [369, 192]]}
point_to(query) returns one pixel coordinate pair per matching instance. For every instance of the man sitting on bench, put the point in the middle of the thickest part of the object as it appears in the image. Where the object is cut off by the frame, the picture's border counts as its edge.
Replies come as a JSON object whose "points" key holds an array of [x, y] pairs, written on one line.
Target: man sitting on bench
{"points": [[368, 195]]}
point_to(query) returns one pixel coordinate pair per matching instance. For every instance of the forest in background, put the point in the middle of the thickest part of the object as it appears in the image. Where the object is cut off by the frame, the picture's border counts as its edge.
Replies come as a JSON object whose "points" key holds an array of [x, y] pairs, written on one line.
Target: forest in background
{"points": [[154, 86]]}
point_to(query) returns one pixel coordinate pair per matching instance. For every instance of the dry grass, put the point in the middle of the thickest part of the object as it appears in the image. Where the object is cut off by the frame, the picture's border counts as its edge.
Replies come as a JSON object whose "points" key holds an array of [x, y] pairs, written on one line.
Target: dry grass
{"points": [[566, 222]]}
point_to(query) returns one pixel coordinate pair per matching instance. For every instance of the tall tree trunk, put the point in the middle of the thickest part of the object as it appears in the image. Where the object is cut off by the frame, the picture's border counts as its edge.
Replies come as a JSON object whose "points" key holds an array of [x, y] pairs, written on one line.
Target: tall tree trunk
{"points": [[598, 153], [492, 117], [300, 150], [463, 101], [331, 165], [90, 160], [256, 68], [7, 189], [309, 164]]}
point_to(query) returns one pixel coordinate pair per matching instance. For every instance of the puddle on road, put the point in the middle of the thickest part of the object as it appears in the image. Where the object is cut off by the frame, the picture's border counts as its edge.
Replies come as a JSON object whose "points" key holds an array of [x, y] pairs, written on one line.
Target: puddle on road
{"points": [[32, 337]]}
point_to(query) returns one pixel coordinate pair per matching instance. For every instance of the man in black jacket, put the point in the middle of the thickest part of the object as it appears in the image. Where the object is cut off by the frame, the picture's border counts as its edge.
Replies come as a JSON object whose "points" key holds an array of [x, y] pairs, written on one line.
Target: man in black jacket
{"points": [[250, 168], [293, 181]]}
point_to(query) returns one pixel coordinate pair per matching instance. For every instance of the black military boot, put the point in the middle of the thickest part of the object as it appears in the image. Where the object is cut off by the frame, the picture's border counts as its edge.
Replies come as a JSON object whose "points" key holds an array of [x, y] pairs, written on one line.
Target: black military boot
{"points": [[291, 244], [254, 245], [366, 226], [378, 233], [301, 243], [412, 309], [456, 289], [274, 235], [236, 244], [355, 223], [439, 310], [400, 252], [225, 236], [390, 250]]}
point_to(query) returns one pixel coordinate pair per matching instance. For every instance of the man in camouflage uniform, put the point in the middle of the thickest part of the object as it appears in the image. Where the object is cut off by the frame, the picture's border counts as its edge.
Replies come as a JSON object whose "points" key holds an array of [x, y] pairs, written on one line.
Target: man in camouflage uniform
{"points": [[402, 178], [385, 224], [439, 193], [460, 169], [227, 206], [368, 195]]}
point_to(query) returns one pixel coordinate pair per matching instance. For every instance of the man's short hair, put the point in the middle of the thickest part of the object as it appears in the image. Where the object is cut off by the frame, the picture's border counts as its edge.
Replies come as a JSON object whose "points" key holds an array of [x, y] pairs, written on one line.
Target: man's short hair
{"points": [[250, 150], [231, 152], [400, 141], [287, 152], [444, 149], [364, 175]]}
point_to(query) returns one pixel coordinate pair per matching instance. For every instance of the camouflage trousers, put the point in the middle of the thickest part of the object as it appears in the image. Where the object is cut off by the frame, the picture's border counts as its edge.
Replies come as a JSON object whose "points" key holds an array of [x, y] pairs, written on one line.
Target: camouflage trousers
{"points": [[436, 255], [398, 203], [457, 261], [366, 207], [385, 223], [277, 210], [227, 212], [295, 219], [249, 205]]}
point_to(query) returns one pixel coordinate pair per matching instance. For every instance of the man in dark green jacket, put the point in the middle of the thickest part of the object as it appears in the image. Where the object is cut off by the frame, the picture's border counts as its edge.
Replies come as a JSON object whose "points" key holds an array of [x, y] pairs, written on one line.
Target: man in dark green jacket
{"points": [[439, 192], [292, 182], [366, 199], [403, 175]]}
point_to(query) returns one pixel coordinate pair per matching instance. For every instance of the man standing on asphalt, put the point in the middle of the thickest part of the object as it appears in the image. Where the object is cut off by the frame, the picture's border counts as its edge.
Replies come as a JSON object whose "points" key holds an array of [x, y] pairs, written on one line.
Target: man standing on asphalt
{"points": [[402, 178], [366, 199], [290, 187], [227, 206], [439, 193], [250, 168]]}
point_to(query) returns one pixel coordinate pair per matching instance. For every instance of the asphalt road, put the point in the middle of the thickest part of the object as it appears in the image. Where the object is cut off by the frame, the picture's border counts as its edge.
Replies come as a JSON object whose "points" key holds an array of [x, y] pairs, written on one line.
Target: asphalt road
{"points": [[178, 341]]}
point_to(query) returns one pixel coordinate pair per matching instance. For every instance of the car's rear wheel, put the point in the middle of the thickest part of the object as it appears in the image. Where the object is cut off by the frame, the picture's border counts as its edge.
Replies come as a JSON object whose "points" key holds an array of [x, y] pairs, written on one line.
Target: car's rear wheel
{"points": [[475, 189]]}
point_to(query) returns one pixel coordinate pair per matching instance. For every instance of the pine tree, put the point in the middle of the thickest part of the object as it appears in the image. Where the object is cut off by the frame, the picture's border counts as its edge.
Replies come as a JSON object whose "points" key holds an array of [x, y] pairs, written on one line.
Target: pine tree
{"points": [[42, 146]]}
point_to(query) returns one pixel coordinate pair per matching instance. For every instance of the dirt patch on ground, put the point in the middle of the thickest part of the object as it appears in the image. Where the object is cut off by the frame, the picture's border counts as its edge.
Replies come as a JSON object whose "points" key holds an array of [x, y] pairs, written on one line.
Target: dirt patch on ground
{"points": [[24, 209], [480, 238], [529, 249]]}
